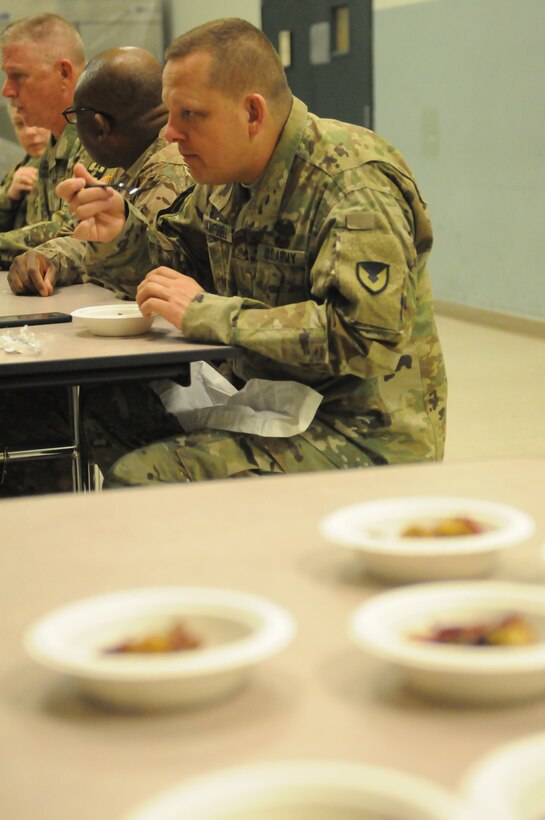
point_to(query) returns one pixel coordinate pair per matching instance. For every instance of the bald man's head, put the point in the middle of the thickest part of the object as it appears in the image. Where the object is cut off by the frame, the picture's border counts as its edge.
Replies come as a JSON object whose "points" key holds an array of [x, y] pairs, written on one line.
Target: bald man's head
{"points": [[125, 81], [121, 88]]}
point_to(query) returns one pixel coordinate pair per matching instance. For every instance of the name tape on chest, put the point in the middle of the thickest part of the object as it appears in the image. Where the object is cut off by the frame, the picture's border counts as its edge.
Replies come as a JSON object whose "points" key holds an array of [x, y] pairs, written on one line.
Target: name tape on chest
{"points": [[281, 256], [265, 253], [218, 229]]}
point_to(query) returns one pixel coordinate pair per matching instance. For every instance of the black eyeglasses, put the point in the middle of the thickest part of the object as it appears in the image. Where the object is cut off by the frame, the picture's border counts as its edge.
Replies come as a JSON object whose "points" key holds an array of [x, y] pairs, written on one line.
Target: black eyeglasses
{"points": [[71, 114]]}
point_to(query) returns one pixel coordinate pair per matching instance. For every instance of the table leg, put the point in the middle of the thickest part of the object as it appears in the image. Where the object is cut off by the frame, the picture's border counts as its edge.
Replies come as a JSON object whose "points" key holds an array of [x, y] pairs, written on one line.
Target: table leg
{"points": [[75, 430]]}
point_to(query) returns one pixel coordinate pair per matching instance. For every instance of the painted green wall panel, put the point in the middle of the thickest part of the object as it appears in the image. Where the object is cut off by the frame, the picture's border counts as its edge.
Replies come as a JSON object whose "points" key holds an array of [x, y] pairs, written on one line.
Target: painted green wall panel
{"points": [[459, 88]]}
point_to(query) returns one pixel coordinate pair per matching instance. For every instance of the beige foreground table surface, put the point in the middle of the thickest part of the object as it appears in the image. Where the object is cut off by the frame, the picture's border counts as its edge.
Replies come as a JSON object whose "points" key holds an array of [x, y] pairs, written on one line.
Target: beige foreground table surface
{"points": [[66, 759]]}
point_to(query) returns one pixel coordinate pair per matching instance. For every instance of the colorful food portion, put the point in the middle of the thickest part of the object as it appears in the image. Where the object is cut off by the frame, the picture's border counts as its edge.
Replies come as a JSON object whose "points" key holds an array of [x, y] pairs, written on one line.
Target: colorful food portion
{"points": [[444, 527], [510, 630], [174, 639]]}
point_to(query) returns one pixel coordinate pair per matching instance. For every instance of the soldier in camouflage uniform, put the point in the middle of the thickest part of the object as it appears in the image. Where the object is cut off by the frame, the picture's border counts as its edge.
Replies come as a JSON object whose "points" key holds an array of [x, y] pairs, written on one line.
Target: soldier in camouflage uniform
{"points": [[126, 131], [121, 121], [43, 57], [19, 184], [312, 257]]}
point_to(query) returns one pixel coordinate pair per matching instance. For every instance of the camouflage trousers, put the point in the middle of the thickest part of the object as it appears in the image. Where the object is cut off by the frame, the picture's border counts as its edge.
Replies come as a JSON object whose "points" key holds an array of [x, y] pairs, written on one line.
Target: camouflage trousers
{"points": [[173, 456], [132, 438], [212, 454]]}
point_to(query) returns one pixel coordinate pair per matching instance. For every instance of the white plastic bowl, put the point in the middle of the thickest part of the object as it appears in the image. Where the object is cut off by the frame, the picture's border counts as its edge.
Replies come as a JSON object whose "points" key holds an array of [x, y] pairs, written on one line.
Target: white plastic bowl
{"points": [[305, 790], [509, 783], [388, 626], [375, 530], [123, 319], [237, 631]]}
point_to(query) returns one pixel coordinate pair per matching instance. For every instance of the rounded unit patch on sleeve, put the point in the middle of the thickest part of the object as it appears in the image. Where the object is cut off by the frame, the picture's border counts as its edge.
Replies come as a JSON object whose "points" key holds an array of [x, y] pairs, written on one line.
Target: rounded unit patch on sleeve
{"points": [[374, 276]]}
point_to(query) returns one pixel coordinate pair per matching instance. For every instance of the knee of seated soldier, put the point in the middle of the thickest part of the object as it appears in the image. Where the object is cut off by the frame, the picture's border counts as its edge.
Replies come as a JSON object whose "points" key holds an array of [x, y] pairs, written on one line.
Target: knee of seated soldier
{"points": [[148, 465]]}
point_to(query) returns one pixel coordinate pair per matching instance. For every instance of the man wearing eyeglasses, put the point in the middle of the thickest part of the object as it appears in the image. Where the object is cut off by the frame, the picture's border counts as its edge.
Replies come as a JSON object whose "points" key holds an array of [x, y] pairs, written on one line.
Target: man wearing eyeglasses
{"points": [[42, 57], [120, 118]]}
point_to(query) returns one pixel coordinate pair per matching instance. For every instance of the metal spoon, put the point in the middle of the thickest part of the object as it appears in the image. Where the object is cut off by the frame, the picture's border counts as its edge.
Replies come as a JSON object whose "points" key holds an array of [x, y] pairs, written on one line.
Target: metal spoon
{"points": [[121, 187]]}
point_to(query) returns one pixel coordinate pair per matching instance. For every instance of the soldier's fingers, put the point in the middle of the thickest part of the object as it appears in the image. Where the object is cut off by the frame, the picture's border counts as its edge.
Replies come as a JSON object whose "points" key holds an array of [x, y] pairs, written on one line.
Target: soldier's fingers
{"points": [[92, 203], [37, 280], [164, 272], [85, 229], [81, 172], [155, 306], [33, 267], [14, 280], [151, 290], [167, 277], [18, 275], [47, 288], [50, 277], [68, 188]]}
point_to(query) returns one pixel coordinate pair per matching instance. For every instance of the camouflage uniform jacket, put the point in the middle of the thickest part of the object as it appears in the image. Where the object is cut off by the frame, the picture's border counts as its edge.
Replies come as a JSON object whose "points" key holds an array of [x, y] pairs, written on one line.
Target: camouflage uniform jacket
{"points": [[13, 211], [162, 175], [320, 277], [47, 215]]}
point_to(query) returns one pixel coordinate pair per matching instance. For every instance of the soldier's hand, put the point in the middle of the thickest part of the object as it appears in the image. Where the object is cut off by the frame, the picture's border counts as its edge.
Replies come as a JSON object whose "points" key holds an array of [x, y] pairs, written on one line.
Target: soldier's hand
{"points": [[168, 293], [23, 181], [31, 272], [99, 210]]}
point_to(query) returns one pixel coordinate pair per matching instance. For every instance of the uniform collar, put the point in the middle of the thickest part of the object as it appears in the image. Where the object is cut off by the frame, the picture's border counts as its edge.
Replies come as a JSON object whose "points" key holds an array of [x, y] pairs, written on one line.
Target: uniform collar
{"points": [[62, 147], [132, 173]]}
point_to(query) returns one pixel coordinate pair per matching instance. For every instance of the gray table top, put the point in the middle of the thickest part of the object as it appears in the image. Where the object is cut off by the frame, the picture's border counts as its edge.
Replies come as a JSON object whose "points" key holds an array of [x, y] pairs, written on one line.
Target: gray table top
{"points": [[69, 350]]}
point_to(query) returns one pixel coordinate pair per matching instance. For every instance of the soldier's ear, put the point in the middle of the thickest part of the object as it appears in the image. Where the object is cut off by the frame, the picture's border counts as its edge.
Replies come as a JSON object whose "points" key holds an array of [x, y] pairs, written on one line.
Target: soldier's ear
{"points": [[66, 69], [256, 109], [103, 126]]}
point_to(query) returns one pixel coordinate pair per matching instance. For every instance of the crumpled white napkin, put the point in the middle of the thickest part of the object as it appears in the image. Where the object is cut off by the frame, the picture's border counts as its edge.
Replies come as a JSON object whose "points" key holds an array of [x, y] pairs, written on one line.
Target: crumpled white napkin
{"points": [[262, 407], [21, 340]]}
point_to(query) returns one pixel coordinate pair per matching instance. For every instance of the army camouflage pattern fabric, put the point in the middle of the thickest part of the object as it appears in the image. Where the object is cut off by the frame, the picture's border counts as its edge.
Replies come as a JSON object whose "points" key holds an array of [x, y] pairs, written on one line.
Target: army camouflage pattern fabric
{"points": [[47, 215], [13, 212], [161, 175], [321, 277]]}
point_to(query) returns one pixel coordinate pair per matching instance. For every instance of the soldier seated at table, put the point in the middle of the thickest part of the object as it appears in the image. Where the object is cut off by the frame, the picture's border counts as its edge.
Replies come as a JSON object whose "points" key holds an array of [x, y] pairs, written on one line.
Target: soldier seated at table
{"points": [[305, 243], [42, 57], [120, 118], [19, 186]]}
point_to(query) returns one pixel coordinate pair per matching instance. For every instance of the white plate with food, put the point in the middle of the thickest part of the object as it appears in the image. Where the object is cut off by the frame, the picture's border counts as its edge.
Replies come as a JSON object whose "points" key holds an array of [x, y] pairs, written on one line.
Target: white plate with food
{"points": [[305, 790], [509, 783], [122, 319], [428, 538], [466, 641], [160, 647]]}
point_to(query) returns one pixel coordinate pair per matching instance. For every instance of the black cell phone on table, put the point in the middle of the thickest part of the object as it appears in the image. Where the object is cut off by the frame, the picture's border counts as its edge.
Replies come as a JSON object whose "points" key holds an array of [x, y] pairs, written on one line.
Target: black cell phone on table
{"points": [[21, 319]]}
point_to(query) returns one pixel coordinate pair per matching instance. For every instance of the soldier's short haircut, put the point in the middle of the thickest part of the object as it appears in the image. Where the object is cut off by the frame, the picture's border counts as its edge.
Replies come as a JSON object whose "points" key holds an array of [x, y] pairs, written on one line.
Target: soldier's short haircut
{"points": [[124, 82], [243, 58], [59, 38]]}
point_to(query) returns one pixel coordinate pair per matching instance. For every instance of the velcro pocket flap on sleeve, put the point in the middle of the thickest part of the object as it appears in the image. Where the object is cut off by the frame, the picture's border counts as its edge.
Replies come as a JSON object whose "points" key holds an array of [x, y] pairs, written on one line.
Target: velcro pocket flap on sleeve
{"points": [[362, 221], [371, 273]]}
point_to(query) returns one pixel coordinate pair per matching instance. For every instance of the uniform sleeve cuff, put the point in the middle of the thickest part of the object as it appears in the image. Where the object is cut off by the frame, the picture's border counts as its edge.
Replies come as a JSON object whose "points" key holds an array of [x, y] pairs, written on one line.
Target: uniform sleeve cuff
{"points": [[210, 318]]}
